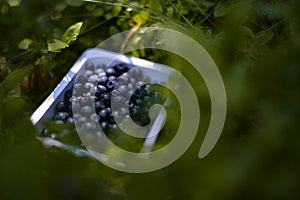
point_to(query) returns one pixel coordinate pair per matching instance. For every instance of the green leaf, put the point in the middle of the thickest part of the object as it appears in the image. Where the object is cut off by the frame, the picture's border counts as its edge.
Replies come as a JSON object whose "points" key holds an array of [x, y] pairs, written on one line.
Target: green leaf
{"points": [[24, 44], [14, 3], [246, 31], [97, 12], [264, 37], [116, 10], [56, 46], [141, 17], [13, 79], [71, 33], [155, 5], [75, 3], [222, 9]]}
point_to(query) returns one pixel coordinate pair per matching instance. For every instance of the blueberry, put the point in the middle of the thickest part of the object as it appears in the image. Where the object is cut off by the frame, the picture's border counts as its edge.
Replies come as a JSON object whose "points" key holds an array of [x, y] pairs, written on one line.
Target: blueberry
{"points": [[89, 66], [112, 78], [61, 107], [87, 87], [94, 117], [110, 72], [99, 70], [85, 101], [70, 121], [130, 104], [103, 114], [137, 73], [104, 125], [100, 90], [62, 116], [93, 79], [99, 105], [68, 94], [139, 84], [76, 116], [146, 99], [105, 98], [144, 120], [122, 111], [119, 100], [86, 111], [75, 107], [110, 85], [102, 80], [138, 101], [156, 97], [88, 73], [111, 119], [134, 111], [81, 79], [59, 122], [124, 78], [116, 114], [121, 68], [82, 120], [88, 126], [122, 89], [113, 127]]}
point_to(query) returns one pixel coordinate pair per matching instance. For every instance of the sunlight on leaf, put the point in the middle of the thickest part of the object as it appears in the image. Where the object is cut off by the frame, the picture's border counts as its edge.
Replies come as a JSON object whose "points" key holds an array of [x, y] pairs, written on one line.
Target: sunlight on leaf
{"points": [[141, 17], [56, 46], [14, 3], [246, 31], [24, 44], [72, 32]]}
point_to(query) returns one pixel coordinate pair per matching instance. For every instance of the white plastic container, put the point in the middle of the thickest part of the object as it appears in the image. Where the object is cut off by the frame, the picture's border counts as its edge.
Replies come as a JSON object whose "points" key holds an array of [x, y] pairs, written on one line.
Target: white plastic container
{"points": [[97, 56]]}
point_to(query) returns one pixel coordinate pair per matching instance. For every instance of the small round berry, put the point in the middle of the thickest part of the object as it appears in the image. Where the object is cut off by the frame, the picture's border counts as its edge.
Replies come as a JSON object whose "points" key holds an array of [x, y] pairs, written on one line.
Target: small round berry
{"points": [[88, 126], [113, 128], [156, 97], [75, 107], [100, 90], [102, 80], [70, 120], [110, 85], [124, 78], [99, 105], [137, 73], [59, 122], [86, 111], [63, 116], [121, 68], [112, 78], [110, 72], [105, 98], [104, 125], [122, 89], [87, 87], [103, 114], [82, 120], [61, 107], [68, 94], [94, 117], [93, 79], [89, 66], [81, 79], [88, 73], [119, 100]]}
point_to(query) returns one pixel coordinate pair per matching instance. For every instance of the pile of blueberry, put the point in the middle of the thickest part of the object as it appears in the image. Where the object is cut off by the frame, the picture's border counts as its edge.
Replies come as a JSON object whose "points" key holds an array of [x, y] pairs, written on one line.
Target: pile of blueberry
{"points": [[96, 87]]}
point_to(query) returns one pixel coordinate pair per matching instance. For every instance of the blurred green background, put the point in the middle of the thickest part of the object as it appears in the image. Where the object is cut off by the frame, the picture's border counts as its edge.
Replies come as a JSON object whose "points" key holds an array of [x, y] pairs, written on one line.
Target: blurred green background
{"points": [[256, 47]]}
